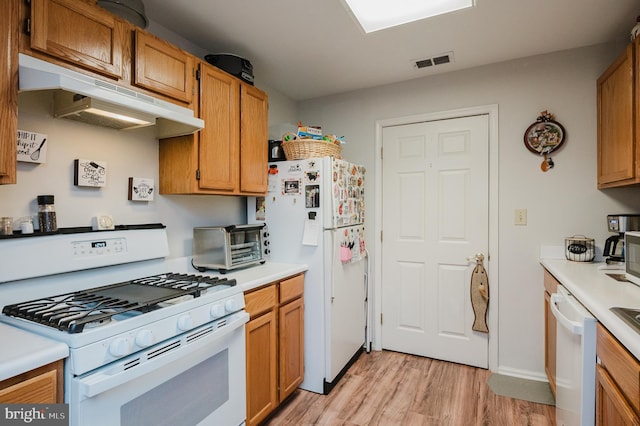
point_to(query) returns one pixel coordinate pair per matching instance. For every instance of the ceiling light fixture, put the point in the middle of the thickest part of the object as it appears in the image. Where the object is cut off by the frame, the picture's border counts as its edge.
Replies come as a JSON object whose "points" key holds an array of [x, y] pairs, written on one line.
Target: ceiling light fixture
{"points": [[375, 15]]}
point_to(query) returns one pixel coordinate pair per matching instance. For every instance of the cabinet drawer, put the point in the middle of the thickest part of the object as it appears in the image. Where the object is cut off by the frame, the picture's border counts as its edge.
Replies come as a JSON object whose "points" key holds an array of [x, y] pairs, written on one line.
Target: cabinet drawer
{"points": [[261, 300], [291, 288], [623, 368], [550, 283]]}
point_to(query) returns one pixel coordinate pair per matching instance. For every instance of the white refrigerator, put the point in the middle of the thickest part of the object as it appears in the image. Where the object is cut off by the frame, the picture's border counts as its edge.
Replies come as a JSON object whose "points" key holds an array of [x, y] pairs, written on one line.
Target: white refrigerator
{"points": [[314, 211]]}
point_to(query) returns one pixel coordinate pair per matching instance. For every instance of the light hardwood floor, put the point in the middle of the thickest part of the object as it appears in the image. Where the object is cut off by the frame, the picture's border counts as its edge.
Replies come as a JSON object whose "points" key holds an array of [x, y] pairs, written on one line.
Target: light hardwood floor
{"points": [[390, 388]]}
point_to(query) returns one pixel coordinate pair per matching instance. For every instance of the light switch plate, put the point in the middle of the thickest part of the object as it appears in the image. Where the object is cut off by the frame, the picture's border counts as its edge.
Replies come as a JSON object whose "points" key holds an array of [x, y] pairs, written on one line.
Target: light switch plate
{"points": [[520, 217], [102, 222]]}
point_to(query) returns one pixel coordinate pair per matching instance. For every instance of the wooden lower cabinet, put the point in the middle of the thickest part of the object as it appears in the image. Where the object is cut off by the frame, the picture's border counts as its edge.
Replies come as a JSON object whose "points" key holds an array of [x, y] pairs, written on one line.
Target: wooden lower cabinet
{"points": [[291, 335], [611, 406], [550, 287], [261, 367], [42, 385], [275, 345], [617, 382]]}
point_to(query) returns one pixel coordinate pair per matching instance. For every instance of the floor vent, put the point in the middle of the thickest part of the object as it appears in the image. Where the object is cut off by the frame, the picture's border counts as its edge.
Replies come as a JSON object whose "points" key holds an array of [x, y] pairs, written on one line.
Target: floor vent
{"points": [[444, 58]]}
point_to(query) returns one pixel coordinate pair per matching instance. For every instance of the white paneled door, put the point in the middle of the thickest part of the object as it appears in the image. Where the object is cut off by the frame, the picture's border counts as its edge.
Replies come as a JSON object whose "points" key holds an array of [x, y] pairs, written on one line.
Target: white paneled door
{"points": [[435, 215]]}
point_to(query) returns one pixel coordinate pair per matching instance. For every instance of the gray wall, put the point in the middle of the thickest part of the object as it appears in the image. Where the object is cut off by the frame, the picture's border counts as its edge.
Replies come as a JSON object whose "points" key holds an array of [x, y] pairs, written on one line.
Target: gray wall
{"points": [[560, 203]]}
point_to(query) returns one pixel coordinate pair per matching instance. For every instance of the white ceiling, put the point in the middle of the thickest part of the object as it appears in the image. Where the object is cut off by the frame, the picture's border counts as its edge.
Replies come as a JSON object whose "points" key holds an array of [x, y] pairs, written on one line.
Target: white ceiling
{"points": [[312, 48]]}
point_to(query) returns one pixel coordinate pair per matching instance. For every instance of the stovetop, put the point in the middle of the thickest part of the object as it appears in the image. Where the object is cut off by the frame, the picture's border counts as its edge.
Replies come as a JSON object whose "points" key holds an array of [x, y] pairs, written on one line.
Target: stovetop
{"points": [[95, 307], [102, 323]]}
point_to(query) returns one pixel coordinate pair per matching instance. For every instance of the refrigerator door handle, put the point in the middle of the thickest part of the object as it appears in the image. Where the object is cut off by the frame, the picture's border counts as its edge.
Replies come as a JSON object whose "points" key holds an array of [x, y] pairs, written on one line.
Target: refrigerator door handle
{"points": [[334, 255]]}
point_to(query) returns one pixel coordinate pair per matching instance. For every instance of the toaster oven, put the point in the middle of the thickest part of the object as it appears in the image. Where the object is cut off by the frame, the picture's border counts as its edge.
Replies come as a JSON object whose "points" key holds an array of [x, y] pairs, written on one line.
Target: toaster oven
{"points": [[225, 248]]}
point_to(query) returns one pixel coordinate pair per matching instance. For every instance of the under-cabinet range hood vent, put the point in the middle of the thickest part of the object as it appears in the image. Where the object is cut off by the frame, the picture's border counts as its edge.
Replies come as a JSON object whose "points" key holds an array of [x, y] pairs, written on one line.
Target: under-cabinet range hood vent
{"points": [[84, 98], [94, 111]]}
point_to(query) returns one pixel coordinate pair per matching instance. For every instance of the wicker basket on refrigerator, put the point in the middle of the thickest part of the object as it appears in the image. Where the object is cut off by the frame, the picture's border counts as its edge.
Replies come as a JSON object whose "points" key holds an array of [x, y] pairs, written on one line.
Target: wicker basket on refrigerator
{"points": [[299, 149]]}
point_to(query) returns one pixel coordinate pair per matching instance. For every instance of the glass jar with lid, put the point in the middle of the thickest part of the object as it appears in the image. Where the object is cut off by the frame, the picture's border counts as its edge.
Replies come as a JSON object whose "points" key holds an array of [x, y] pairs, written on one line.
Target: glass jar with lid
{"points": [[47, 214], [6, 225]]}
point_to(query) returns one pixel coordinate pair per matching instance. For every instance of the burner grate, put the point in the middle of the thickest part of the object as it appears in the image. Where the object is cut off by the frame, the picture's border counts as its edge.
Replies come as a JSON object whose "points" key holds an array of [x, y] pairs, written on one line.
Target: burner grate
{"points": [[73, 312]]}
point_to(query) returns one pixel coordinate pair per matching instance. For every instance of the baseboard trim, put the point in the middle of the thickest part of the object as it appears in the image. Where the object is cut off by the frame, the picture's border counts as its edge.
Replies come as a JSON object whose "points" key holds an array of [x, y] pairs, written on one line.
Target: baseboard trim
{"points": [[330, 385]]}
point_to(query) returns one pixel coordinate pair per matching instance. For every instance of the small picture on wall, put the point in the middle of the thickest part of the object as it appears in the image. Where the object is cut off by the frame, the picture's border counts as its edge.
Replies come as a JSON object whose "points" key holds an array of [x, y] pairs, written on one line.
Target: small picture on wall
{"points": [[91, 173], [32, 147], [141, 189]]}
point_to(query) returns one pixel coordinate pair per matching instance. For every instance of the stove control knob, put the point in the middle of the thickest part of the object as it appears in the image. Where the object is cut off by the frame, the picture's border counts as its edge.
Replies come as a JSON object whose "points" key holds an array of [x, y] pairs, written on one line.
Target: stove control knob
{"points": [[144, 338], [185, 322], [231, 305], [119, 347], [217, 311]]}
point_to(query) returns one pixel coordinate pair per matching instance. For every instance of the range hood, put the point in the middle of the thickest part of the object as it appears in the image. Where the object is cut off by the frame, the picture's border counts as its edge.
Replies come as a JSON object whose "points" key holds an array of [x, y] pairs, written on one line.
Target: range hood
{"points": [[87, 99]]}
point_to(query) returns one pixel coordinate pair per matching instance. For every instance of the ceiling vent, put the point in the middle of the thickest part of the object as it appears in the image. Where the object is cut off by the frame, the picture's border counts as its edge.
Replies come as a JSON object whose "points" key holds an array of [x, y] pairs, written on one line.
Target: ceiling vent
{"points": [[442, 59]]}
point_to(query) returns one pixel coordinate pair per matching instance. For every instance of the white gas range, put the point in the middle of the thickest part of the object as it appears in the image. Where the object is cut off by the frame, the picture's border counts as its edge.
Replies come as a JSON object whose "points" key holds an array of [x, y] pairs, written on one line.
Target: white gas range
{"points": [[146, 346]]}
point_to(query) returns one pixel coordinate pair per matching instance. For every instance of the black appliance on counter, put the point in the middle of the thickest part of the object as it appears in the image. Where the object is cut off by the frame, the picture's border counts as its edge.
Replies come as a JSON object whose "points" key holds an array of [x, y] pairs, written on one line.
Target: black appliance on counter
{"points": [[614, 245], [276, 152], [234, 65]]}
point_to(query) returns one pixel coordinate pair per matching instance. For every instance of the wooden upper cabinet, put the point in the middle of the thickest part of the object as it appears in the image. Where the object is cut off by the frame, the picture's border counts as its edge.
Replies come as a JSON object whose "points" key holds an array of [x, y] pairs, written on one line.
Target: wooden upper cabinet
{"points": [[79, 33], [163, 68], [228, 156], [219, 108], [8, 91], [254, 119], [618, 154]]}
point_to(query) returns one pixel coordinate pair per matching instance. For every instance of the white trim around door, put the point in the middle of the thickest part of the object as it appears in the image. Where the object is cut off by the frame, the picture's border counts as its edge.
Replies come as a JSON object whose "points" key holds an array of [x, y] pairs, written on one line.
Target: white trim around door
{"points": [[491, 263]]}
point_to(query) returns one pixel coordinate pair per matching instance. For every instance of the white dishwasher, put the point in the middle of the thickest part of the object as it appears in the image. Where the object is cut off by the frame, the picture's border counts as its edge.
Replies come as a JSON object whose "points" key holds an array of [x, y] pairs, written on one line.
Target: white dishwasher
{"points": [[575, 361]]}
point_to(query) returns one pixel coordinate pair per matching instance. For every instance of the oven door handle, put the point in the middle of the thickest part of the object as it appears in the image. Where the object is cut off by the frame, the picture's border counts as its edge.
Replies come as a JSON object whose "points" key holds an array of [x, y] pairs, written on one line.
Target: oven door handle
{"points": [[99, 382]]}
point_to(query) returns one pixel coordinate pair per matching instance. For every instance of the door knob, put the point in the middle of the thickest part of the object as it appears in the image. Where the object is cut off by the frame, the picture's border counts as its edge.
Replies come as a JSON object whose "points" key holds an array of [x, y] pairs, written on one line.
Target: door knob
{"points": [[478, 258]]}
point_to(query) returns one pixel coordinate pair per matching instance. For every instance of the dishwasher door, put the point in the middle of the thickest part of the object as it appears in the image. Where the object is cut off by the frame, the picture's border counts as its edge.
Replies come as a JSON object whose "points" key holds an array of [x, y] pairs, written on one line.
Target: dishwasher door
{"points": [[575, 361]]}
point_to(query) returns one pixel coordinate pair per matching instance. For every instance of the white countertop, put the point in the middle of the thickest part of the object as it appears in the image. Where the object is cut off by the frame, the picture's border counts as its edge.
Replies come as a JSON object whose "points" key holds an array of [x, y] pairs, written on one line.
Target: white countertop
{"points": [[23, 351], [256, 276], [247, 278], [598, 292]]}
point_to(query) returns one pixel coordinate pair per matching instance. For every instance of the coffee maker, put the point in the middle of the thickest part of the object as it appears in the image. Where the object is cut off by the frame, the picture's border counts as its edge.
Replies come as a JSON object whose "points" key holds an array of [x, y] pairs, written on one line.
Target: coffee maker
{"points": [[614, 246]]}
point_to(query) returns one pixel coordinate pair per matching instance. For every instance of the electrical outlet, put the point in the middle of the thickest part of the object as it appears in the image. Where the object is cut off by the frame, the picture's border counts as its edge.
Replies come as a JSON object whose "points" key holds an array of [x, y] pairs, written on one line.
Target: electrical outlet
{"points": [[102, 222], [520, 217]]}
